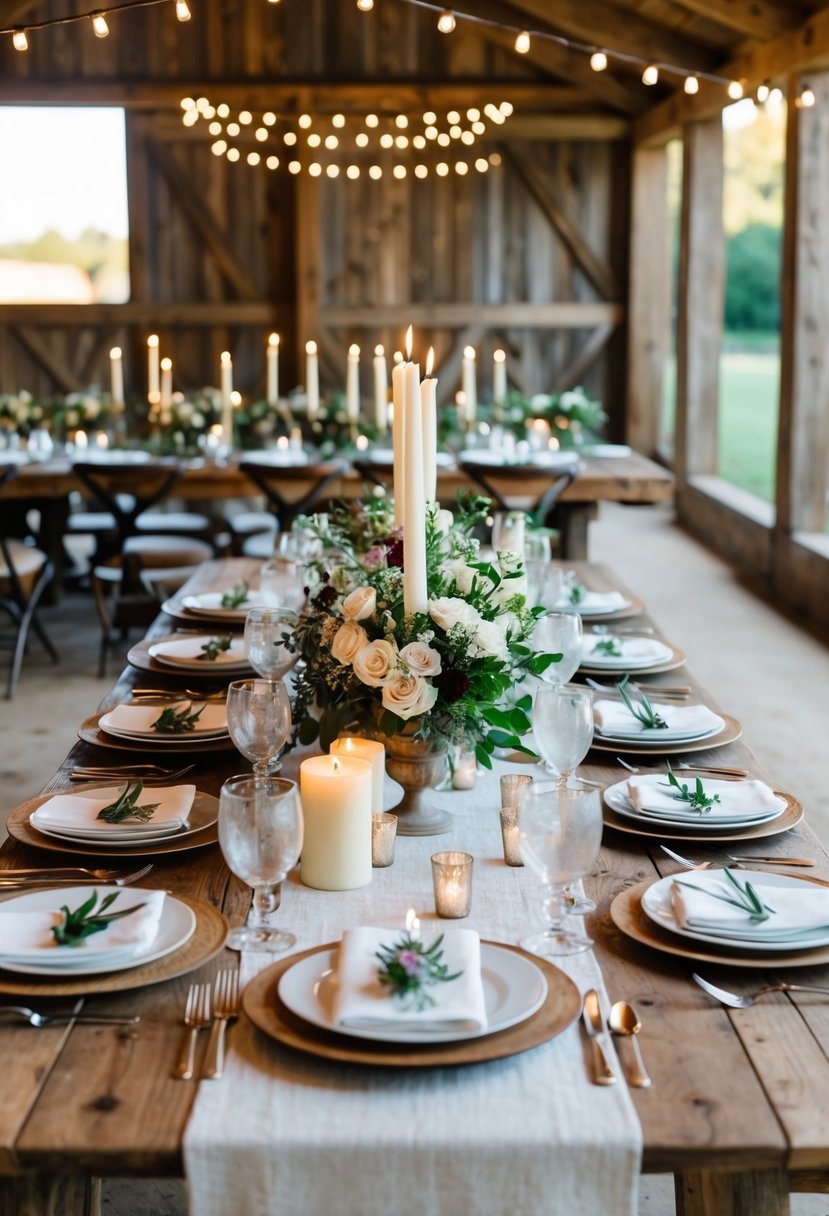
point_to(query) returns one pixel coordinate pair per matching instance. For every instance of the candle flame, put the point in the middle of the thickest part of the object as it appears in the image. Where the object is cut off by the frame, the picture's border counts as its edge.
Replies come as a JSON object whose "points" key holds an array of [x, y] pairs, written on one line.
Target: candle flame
{"points": [[216, 429], [115, 353], [310, 348], [409, 341], [225, 359], [235, 397], [282, 442], [412, 923], [398, 356], [152, 340], [80, 439], [430, 361], [273, 340], [469, 352], [102, 439], [354, 349], [378, 350], [500, 356], [166, 365]]}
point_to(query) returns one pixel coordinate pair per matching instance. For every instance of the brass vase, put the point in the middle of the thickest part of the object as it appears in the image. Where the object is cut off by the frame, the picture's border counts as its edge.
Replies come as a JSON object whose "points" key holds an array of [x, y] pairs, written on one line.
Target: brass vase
{"points": [[418, 765]]}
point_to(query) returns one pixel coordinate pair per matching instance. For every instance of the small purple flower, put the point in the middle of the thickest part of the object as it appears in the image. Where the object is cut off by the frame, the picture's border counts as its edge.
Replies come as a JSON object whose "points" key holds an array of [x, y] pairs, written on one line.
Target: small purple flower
{"points": [[375, 559], [409, 961]]}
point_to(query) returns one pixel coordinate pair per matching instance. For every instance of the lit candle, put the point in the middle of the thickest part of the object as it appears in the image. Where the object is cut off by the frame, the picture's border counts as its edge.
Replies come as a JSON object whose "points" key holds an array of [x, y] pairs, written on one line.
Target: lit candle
{"points": [[272, 355], [381, 390], [452, 878], [398, 375], [499, 382], [413, 924], [227, 397], [336, 808], [352, 384], [429, 410], [116, 379], [101, 440], [510, 836], [374, 754], [415, 591], [81, 441], [153, 382], [312, 380], [464, 770], [166, 397], [469, 384]]}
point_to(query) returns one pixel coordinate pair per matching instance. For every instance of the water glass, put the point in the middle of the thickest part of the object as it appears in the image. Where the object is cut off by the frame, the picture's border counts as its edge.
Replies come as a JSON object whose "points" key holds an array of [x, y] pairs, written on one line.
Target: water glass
{"points": [[563, 727], [268, 635], [561, 832], [508, 531], [259, 720], [260, 834], [559, 633]]}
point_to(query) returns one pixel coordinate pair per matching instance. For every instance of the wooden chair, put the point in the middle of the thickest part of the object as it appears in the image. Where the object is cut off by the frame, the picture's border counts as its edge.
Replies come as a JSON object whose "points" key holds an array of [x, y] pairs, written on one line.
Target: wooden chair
{"points": [[503, 484], [310, 482], [25, 572]]}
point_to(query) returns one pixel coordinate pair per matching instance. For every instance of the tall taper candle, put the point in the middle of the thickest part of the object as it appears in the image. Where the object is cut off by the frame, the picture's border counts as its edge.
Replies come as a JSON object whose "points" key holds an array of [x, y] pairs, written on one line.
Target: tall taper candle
{"points": [[153, 373], [166, 395], [272, 353], [381, 390], [116, 379], [499, 382], [415, 592], [398, 440], [227, 397], [352, 384], [469, 385], [428, 406], [312, 380]]}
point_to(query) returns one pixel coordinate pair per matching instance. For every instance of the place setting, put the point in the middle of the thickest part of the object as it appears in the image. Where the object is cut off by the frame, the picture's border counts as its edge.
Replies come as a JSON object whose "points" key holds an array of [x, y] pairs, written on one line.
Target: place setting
{"points": [[596, 604], [631, 723], [179, 726], [611, 652], [200, 655], [226, 607]]}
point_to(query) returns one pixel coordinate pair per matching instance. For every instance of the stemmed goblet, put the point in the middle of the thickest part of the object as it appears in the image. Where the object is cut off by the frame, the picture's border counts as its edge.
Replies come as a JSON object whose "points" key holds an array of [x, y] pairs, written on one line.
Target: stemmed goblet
{"points": [[559, 633], [267, 635], [259, 720]]}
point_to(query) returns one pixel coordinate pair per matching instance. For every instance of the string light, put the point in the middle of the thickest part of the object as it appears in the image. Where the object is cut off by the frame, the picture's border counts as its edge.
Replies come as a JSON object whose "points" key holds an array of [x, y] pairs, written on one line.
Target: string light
{"points": [[650, 76], [691, 85], [446, 21], [19, 40], [598, 61], [365, 6], [735, 90], [807, 97], [183, 10], [97, 17], [99, 25], [522, 42]]}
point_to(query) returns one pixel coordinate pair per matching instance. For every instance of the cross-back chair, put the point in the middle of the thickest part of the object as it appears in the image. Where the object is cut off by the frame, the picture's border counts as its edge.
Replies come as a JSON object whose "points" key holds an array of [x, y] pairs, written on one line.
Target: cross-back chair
{"points": [[25, 572]]}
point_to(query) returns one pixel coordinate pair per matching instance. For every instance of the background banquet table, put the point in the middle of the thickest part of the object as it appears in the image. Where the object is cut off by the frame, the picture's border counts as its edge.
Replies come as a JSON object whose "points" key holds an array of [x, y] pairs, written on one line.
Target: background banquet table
{"points": [[737, 1109]]}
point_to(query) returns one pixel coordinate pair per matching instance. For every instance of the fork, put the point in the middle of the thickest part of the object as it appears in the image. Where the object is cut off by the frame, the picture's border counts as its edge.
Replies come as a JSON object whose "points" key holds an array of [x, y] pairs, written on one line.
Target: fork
{"points": [[715, 770], [148, 773], [22, 1013], [745, 1002], [75, 874], [225, 1009], [167, 694], [653, 692], [196, 1017], [683, 861]]}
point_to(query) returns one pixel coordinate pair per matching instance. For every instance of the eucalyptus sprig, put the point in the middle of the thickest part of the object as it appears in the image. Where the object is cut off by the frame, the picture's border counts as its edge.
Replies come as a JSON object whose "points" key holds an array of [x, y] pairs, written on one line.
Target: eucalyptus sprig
{"points": [[697, 798], [742, 896], [237, 595], [611, 647], [408, 968], [212, 649], [644, 712], [84, 920], [126, 806], [577, 593], [172, 721]]}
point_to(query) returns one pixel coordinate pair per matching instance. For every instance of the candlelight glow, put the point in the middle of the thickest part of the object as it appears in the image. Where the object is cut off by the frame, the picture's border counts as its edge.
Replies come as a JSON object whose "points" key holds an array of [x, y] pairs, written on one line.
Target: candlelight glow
{"points": [[354, 349], [310, 348], [225, 359], [152, 340], [378, 350], [469, 352], [412, 923], [166, 365], [273, 340], [500, 356], [430, 361], [115, 353], [409, 340], [235, 397]]}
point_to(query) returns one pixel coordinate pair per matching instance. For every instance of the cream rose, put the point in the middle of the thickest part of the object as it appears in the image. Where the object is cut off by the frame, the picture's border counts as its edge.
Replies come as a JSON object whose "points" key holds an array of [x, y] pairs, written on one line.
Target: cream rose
{"points": [[408, 696], [374, 663], [448, 611], [349, 640], [491, 640], [421, 659], [360, 604]]}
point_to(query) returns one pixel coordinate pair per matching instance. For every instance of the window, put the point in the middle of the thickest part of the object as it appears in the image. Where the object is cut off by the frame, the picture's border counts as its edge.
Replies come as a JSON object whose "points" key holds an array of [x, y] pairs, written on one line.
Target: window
{"points": [[63, 206]]}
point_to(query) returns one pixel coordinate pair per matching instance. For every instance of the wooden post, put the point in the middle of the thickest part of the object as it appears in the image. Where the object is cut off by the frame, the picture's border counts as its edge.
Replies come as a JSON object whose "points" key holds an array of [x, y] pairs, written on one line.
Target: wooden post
{"points": [[701, 287], [803, 445], [307, 265], [649, 308]]}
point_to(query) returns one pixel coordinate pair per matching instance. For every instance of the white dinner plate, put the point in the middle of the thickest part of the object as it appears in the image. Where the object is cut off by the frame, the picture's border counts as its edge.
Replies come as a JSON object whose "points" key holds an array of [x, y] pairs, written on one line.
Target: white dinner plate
{"points": [[183, 654], [210, 604], [514, 988], [592, 658], [212, 723], [651, 737], [203, 814], [566, 605], [178, 924], [656, 904], [616, 797]]}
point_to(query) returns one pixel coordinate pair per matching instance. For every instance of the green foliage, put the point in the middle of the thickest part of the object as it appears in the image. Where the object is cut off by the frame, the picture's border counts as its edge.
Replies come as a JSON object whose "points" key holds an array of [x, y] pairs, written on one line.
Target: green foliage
{"points": [[752, 296]]}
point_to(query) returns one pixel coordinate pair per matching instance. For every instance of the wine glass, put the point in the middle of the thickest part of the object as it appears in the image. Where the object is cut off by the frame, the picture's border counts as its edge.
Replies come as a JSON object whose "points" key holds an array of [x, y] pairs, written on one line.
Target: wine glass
{"points": [[508, 531], [563, 727], [559, 633], [267, 631], [561, 832], [260, 834], [259, 720]]}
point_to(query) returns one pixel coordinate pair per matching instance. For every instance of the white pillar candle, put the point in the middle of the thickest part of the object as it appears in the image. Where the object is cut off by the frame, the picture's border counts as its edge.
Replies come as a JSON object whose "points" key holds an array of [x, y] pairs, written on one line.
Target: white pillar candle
{"points": [[166, 394], [312, 380], [381, 390], [153, 378], [272, 357], [415, 592], [116, 379], [227, 397], [398, 441], [352, 384], [336, 809], [499, 382], [374, 754], [429, 413], [469, 385]]}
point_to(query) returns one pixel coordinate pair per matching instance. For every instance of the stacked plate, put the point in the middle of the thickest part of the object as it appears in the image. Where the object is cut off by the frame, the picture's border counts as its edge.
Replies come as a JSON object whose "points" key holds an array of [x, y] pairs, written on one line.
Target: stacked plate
{"points": [[210, 605], [135, 723], [593, 603], [159, 925], [651, 801], [615, 724], [75, 816], [615, 653], [187, 654]]}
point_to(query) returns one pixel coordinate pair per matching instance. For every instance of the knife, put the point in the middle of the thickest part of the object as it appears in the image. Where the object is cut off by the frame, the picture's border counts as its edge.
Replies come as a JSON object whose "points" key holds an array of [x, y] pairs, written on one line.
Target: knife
{"points": [[591, 1014]]}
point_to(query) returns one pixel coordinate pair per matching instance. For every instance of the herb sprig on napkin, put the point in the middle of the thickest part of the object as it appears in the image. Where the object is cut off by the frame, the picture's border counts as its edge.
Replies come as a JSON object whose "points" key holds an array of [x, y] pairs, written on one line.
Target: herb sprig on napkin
{"points": [[172, 721], [212, 649], [126, 806], [611, 647], [739, 895], [84, 920], [408, 968], [644, 712], [697, 798], [236, 596]]}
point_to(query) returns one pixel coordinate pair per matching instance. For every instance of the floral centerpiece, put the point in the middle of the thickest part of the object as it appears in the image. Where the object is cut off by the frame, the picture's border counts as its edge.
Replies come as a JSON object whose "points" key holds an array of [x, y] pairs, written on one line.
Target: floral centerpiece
{"points": [[444, 675], [574, 417], [21, 412]]}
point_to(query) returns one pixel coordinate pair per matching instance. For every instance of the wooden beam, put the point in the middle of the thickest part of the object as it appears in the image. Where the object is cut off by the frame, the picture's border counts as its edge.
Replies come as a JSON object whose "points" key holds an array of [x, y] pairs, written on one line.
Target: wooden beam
{"points": [[701, 284], [806, 47], [182, 315], [542, 190], [40, 351], [573, 372], [192, 202], [649, 306], [561, 315], [557, 127], [755, 18]]}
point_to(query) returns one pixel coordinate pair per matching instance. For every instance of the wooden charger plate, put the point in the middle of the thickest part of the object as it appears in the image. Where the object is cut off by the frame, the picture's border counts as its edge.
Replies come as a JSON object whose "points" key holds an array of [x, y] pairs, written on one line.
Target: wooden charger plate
{"points": [[676, 660], [731, 731], [204, 806], [783, 823], [91, 732], [139, 656], [207, 940], [261, 1003], [628, 916]]}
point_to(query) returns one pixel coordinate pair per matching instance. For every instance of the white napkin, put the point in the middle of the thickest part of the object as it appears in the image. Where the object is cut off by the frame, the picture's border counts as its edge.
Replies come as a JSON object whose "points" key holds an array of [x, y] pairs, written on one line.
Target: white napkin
{"points": [[739, 800], [211, 602], [74, 814], [684, 721], [189, 651], [138, 719], [797, 910], [634, 650], [597, 601], [27, 936], [362, 1000]]}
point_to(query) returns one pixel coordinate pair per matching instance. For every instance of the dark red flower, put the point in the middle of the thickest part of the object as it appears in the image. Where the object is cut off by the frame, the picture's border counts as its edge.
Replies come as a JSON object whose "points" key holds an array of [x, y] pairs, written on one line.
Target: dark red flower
{"points": [[452, 684], [394, 554], [326, 596]]}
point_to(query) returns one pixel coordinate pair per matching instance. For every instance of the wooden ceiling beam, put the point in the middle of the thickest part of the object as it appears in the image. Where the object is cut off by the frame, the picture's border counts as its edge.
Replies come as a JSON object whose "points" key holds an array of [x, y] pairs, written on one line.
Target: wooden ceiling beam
{"points": [[758, 19], [800, 50]]}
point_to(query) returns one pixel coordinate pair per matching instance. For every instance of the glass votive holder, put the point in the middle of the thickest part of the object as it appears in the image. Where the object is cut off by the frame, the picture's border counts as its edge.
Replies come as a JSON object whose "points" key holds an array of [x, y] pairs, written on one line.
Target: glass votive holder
{"points": [[464, 769], [452, 878], [509, 836], [511, 788], [383, 833]]}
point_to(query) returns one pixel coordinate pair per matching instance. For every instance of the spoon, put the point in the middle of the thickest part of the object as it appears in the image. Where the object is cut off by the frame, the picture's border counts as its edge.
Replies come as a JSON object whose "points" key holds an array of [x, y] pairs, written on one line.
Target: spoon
{"points": [[624, 1020]]}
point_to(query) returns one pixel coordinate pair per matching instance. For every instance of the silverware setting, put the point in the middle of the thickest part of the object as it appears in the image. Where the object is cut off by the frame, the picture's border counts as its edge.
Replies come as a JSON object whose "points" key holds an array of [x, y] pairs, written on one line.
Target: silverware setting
{"points": [[166, 694], [740, 863], [225, 1009], [196, 1018], [713, 769], [594, 1024], [636, 630], [624, 1022], [68, 876], [745, 1002], [21, 1013], [150, 774]]}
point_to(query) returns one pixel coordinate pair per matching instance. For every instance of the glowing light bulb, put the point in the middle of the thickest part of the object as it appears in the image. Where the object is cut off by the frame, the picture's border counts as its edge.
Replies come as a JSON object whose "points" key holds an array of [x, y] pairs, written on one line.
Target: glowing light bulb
{"points": [[304, 121], [289, 138], [691, 85], [245, 118], [254, 158], [233, 129], [183, 10], [372, 120], [269, 118], [272, 162], [99, 25], [19, 40], [233, 154], [421, 171], [763, 92], [331, 141], [807, 96], [735, 90], [338, 121], [461, 168], [365, 6], [401, 121], [598, 61], [650, 75], [522, 42], [353, 172], [399, 172], [361, 139], [315, 169], [446, 21], [294, 166], [314, 140], [333, 170], [375, 172]]}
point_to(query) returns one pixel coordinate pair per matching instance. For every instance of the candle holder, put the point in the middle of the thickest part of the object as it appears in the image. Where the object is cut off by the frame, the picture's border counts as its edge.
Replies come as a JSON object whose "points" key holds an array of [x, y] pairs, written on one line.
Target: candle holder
{"points": [[512, 787], [510, 837], [464, 769], [383, 833], [417, 765], [452, 878]]}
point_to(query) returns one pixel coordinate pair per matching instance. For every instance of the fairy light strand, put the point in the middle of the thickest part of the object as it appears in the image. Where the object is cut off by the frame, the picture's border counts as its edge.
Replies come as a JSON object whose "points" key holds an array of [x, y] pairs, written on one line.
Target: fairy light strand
{"points": [[97, 16]]}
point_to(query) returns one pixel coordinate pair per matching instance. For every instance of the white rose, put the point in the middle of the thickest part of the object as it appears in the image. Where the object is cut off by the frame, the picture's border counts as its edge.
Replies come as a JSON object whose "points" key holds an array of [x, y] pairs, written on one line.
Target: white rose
{"points": [[374, 663], [444, 521], [91, 407], [349, 640], [71, 418], [408, 696], [185, 411], [463, 575], [490, 640], [198, 420], [360, 604], [421, 659], [447, 611]]}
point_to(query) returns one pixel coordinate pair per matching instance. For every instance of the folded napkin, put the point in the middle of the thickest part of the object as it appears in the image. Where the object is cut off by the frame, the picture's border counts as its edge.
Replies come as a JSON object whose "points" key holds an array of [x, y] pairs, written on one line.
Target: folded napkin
{"points": [[189, 650], [211, 602], [684, 721], [634, 650], [797, 910], [651, 795], [27, 936], [596, 601], [74, 814], [138, 719], [361, 999]]}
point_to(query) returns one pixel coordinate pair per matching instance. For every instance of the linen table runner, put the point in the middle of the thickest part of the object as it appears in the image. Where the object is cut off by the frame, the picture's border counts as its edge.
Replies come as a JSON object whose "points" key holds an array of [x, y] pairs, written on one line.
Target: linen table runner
{"points": [[284, 1134]]}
